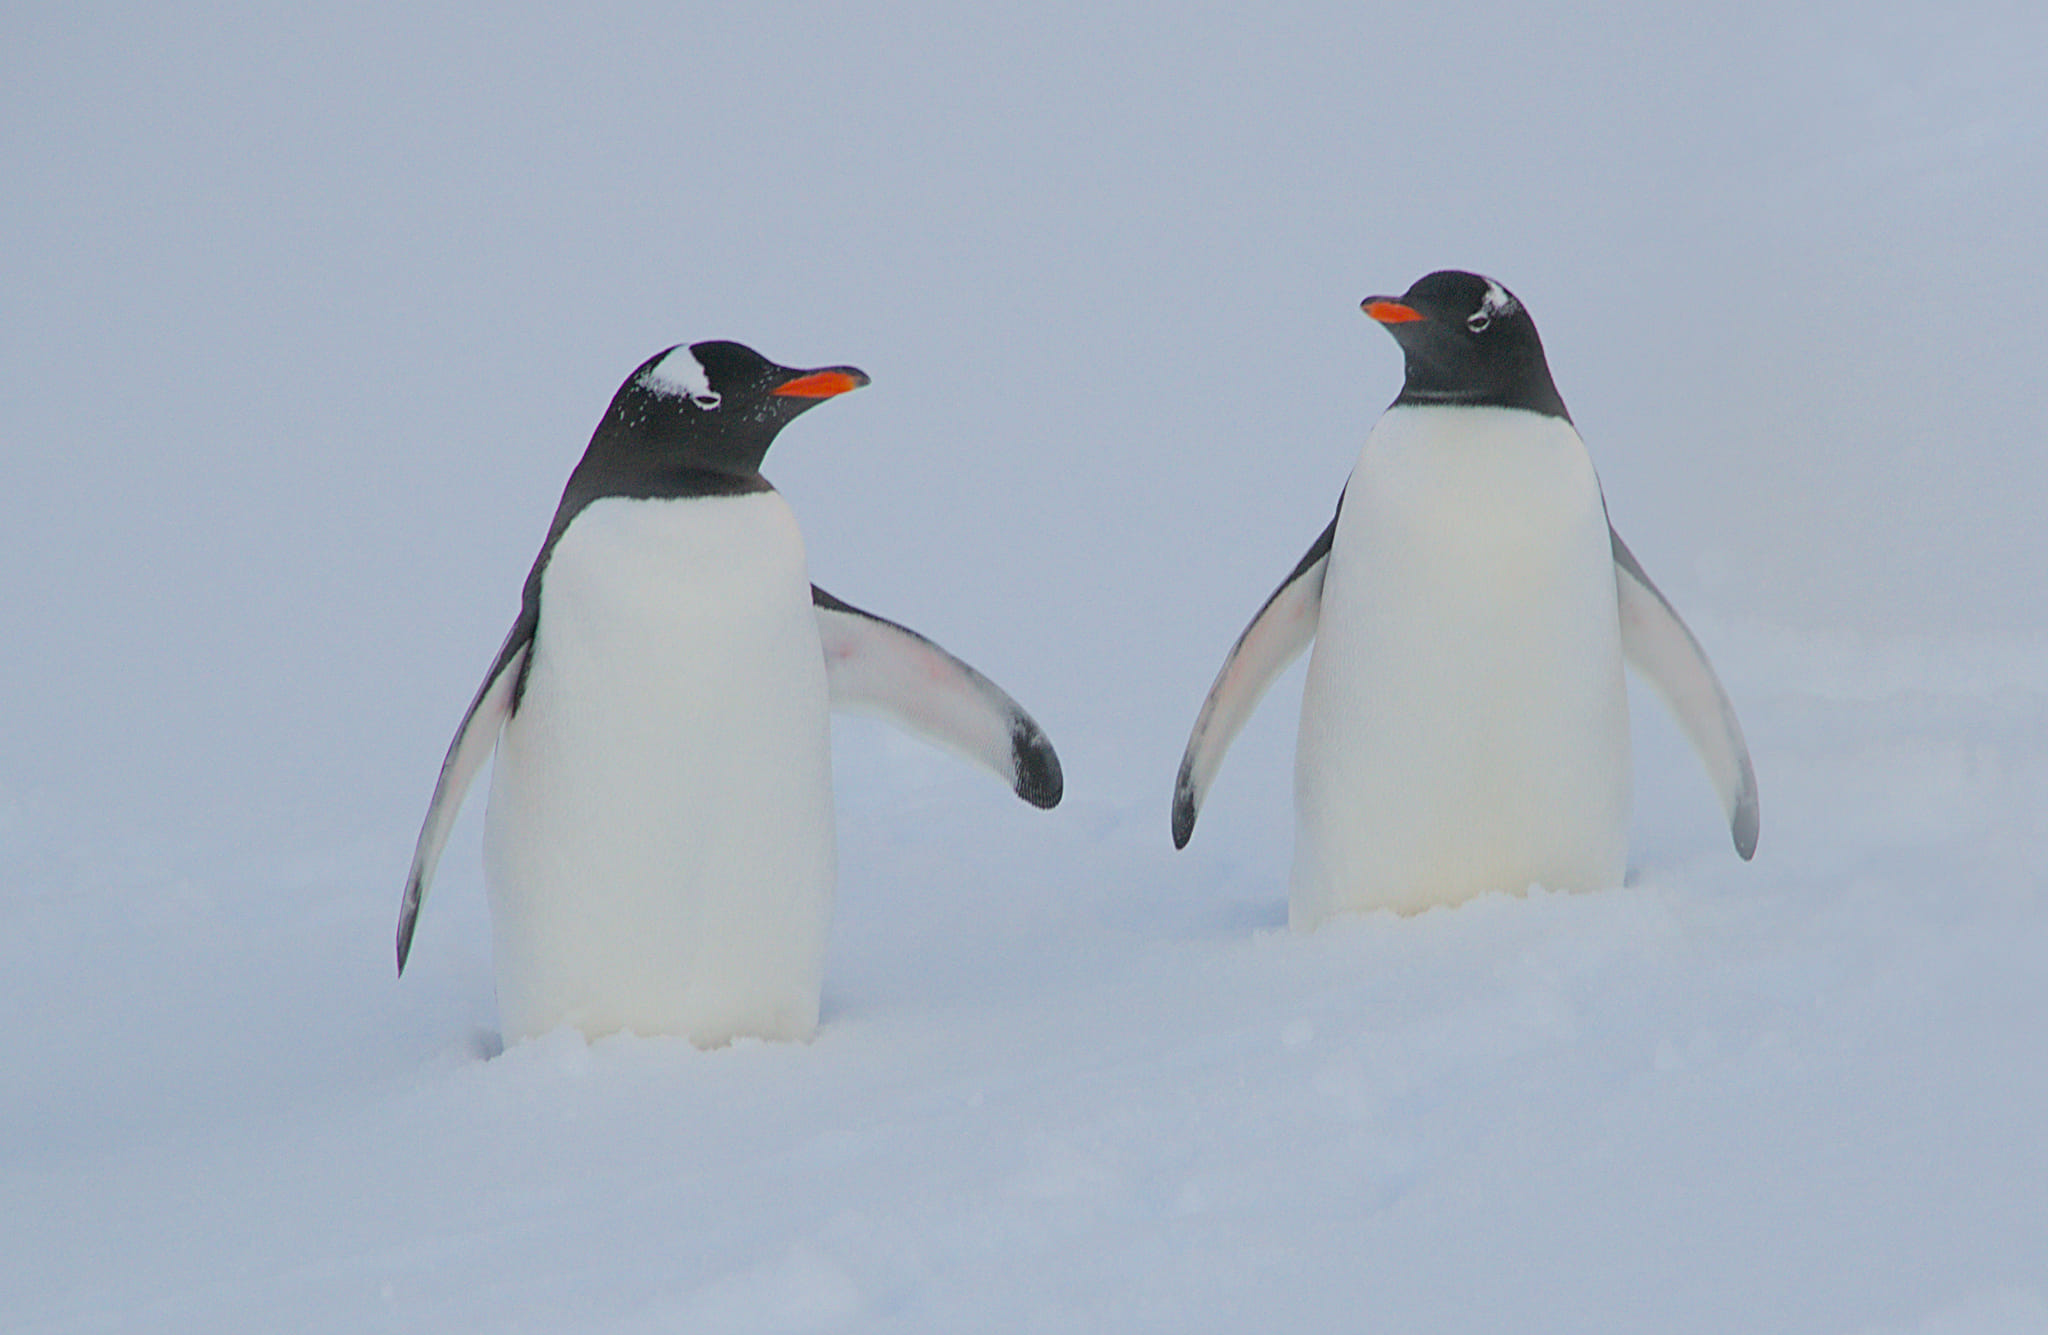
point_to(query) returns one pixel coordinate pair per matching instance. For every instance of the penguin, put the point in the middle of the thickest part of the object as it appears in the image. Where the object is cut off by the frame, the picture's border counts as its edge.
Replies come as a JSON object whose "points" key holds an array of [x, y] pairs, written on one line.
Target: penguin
{"points": [[1464, 723], [658, 847]]}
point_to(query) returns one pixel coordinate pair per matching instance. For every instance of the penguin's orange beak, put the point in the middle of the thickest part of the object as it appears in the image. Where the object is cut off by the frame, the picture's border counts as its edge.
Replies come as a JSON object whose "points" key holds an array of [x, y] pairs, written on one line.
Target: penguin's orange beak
{"points": [[1388, 311], [822, 384]]}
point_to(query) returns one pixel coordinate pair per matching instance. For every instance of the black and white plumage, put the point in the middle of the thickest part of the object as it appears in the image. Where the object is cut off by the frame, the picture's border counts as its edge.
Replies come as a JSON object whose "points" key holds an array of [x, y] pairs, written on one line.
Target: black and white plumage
{"points": [[659, 846], [1464, 724]]}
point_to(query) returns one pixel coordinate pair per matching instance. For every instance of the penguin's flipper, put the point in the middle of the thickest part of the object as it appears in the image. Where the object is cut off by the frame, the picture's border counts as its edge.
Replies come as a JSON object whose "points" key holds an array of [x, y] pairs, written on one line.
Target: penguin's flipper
{"points": [[473, 743], [1275, 638], [877, 666], [1657, 644]]}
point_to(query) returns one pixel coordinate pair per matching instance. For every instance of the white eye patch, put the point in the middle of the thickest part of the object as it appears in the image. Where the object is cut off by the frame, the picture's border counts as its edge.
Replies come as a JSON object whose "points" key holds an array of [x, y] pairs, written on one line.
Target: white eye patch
{"points": [[680, 374], [1495, 303]]}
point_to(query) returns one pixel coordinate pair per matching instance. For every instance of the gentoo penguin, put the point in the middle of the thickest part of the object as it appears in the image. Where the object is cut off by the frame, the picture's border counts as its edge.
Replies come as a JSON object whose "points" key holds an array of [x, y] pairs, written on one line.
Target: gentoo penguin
{"points": [[659, 842], [1464, 726]]}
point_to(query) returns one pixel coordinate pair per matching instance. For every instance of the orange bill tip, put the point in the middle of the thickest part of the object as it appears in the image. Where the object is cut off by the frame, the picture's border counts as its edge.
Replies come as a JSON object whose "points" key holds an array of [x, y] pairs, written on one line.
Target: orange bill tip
{"points": [[1390, 312], [821, 384]]}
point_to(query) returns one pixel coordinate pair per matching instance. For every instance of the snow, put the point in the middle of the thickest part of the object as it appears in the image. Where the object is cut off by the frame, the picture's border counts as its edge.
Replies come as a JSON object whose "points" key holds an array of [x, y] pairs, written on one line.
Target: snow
{"points": [[1066, 1077]]}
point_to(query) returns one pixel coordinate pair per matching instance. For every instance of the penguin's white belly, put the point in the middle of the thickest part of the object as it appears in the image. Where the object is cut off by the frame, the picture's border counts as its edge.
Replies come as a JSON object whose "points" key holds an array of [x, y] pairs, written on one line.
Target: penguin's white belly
{"points": [[659, 846], [1464, 725]]}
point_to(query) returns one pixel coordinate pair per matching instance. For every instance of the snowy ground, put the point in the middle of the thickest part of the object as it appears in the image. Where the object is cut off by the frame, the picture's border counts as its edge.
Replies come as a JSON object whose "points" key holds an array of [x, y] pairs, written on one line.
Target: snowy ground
{"points": [[308, 318]]}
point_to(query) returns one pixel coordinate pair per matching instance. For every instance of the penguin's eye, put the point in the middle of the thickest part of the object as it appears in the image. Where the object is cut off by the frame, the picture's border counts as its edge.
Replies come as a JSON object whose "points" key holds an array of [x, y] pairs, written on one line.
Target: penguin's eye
{"points": [[708, 400], [1478, 320]]}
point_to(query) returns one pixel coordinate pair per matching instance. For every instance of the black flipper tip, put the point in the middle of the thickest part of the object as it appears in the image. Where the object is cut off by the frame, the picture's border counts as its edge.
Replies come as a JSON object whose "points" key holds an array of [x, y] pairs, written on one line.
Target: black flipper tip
{"points": [[408, 919], [1039, 780], [1184, 802], [1744, 828]]}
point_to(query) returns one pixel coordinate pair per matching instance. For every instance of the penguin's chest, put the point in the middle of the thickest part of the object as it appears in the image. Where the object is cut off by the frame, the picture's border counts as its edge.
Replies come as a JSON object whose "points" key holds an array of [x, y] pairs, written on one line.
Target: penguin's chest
{"points": [[659, 843], [1465, 723]]}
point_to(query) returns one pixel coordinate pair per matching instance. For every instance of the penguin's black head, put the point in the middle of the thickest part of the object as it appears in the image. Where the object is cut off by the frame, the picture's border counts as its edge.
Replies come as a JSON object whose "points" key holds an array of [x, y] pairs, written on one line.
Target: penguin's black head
{"points": [[1467, 340], [695, 418]]}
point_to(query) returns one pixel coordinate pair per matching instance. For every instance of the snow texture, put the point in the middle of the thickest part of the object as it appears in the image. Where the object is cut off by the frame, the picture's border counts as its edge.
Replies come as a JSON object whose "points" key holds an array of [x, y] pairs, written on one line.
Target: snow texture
{"points": [[1066, 1077]]}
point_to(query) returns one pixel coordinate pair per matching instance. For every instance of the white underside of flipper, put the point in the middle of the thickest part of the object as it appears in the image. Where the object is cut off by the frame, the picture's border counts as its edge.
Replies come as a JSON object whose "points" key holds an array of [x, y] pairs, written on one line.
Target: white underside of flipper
{"points": [[1277, 635], [1464, 723], [659, 847], [1660, 647], [472, 745], [877, 667]]}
